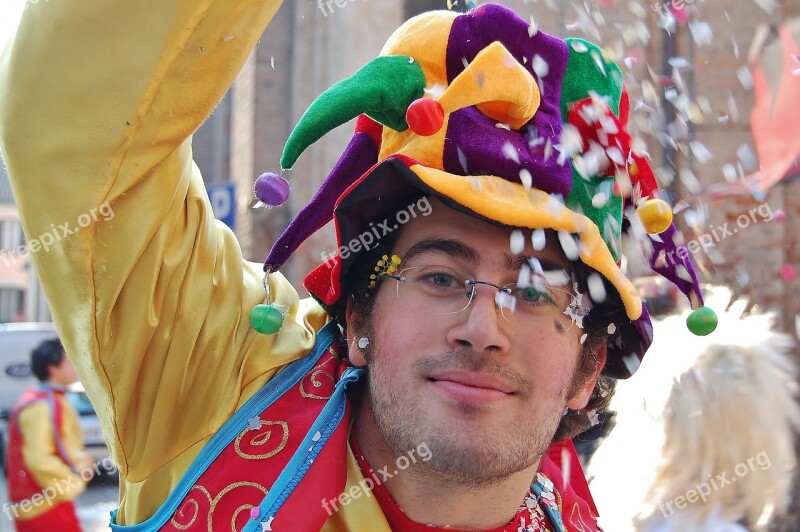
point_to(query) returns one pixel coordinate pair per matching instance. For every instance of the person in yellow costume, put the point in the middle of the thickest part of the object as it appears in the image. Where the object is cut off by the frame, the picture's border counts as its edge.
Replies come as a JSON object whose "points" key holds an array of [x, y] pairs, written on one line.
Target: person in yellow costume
{"points": [[47, 466], [436, 375]]}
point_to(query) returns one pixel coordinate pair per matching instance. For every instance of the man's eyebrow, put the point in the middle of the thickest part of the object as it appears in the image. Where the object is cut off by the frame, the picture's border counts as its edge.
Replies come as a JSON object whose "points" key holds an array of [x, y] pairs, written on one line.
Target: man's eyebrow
{"points": [[447, 246]]}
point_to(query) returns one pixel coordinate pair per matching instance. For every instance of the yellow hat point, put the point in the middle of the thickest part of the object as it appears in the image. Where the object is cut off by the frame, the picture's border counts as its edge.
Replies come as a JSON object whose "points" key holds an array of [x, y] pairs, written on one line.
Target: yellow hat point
{"points": [[656, 216]]}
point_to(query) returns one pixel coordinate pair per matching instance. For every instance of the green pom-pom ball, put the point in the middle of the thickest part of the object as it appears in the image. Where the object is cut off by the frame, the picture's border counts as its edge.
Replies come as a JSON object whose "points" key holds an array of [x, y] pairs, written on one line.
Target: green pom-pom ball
{"points": [[266, 319], [702, 321]]}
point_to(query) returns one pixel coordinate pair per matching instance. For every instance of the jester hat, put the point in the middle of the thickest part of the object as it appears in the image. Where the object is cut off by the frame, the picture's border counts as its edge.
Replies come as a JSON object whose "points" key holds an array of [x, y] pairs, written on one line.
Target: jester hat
{"points": [[505, 123]]}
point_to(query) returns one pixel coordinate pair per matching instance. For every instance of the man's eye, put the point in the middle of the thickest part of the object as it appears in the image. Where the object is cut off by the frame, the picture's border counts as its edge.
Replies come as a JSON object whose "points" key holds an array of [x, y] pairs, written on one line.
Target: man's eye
{"points": [[442, 280], [531, 294]]}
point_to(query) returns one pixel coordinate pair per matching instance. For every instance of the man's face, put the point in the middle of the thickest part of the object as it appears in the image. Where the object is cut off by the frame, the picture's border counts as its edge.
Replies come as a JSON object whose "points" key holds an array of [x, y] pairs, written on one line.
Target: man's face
{"points": [[484, 393], [64, 373]]}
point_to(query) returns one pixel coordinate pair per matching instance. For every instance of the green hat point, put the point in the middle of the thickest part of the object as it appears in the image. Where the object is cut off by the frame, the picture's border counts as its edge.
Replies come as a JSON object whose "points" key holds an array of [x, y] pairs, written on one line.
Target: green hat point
{"points": [[382, 89]]}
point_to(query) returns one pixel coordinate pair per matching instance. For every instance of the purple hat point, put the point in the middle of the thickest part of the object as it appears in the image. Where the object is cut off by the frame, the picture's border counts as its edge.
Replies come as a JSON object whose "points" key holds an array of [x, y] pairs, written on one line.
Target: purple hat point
{"points": [[271, 189]]}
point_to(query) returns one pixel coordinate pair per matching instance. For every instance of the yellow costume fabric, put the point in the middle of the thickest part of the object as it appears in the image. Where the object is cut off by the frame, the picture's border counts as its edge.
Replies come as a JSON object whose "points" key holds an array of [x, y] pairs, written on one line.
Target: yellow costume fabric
{"points": [[98, 102], [42, 459]]}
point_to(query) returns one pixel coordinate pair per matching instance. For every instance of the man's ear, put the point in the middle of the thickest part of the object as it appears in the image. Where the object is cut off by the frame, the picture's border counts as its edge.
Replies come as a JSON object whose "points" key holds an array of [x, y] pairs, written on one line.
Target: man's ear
{"points": [[581, 398], [355, 353]]}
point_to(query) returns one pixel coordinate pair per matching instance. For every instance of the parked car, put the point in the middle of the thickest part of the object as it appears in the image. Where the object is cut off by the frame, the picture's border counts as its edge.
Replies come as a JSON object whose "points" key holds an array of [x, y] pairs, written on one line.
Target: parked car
{"points": [[17, 340]]}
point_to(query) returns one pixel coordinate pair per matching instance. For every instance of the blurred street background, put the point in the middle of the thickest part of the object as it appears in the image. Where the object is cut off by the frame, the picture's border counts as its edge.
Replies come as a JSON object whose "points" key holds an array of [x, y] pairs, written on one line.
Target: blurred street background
{"points": [[94, 505]]}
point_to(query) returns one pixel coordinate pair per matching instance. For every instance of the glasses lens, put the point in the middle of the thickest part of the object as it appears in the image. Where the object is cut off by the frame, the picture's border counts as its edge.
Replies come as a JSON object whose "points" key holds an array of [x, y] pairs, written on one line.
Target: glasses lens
{"points": [[436, 289]]}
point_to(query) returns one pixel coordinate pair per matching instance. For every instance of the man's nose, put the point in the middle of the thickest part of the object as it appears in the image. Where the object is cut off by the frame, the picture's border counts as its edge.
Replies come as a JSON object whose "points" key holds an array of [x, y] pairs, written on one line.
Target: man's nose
{"points": [[481, 326]]}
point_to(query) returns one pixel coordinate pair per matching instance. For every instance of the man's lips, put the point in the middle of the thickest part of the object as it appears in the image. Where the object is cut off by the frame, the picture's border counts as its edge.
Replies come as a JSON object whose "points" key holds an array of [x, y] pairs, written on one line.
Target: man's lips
{"points": [[471, 386]]}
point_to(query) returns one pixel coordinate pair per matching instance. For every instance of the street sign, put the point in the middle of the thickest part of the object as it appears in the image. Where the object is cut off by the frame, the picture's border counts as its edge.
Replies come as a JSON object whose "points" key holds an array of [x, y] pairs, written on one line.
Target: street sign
{"points": [[223, 201]]}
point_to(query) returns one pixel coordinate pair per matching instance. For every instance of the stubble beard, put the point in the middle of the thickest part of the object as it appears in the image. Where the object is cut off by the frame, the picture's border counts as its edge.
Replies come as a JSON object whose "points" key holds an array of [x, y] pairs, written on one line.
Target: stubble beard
{"points": [[467, 461]]}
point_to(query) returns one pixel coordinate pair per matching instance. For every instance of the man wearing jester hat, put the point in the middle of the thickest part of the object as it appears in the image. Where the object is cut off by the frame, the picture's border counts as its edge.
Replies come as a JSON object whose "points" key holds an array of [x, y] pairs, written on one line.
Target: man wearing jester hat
{"points": [[435, 376]]}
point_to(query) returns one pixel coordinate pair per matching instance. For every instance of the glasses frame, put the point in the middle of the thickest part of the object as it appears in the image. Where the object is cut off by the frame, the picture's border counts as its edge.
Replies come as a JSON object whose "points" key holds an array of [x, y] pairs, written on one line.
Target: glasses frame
{"points": [[470, 284]]}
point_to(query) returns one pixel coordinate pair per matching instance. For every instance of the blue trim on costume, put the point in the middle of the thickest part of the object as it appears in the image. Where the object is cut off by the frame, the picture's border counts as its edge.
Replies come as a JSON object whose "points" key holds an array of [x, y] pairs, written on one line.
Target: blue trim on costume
{"points": [[306, 453], [272, 391], [550, 509]]}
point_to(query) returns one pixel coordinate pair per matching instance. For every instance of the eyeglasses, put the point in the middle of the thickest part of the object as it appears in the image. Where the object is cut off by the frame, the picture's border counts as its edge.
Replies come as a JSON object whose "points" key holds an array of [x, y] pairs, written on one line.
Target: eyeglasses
{"points": [[538, 299]]}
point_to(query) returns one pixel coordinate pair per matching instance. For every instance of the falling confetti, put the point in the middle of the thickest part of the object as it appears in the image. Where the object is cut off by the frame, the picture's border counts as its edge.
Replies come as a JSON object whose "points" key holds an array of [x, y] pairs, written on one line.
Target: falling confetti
{"points": [[636, 9], [689, 180], [568, 245], [524, 277], [540, 66], [733, 109], [533, 29], [598, 61], [566, 463], [525, 178], [510, 152], [462, 160], [701, 33], [729, 172], [538, 239], [597, 289], [272, 62], [517, 242], [700, 152], [745, 77], [679, 62], [580, 47], [746, 156], [599, 201]]}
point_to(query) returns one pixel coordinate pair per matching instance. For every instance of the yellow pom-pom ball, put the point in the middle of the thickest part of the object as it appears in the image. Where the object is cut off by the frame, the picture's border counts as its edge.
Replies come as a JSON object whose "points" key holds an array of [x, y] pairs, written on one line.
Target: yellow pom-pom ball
{"points": [[656, 216]]}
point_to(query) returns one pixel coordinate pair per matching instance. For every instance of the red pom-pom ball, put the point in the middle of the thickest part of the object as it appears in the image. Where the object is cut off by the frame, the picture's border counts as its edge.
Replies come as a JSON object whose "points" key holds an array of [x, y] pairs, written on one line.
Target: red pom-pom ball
{"points": [[425, 117]]}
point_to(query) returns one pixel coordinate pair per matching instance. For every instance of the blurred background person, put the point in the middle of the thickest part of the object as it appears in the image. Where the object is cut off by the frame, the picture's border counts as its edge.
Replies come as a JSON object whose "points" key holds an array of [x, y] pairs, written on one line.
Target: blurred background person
{"points": [[730, 424], [47, 467]]}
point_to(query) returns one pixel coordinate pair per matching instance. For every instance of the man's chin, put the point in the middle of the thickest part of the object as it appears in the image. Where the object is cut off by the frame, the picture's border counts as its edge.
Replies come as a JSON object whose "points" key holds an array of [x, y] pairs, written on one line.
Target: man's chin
{"points": [[475, 462]]}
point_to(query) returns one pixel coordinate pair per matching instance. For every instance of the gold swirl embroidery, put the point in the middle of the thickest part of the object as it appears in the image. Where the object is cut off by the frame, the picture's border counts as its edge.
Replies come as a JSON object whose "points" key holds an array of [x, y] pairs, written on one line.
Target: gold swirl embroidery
{"points": [[578, 522], [317, 383], [196, 509], [239, 510], [236, 513], [262, 439]]}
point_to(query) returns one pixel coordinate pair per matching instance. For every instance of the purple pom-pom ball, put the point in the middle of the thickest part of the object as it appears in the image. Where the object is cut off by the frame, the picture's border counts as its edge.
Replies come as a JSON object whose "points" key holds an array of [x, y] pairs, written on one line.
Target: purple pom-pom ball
{"points": [[271, 189]]}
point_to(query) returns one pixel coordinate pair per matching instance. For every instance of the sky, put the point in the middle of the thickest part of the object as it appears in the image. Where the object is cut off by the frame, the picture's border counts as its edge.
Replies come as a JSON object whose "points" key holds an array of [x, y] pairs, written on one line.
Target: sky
{"points": [[10, 11]]}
